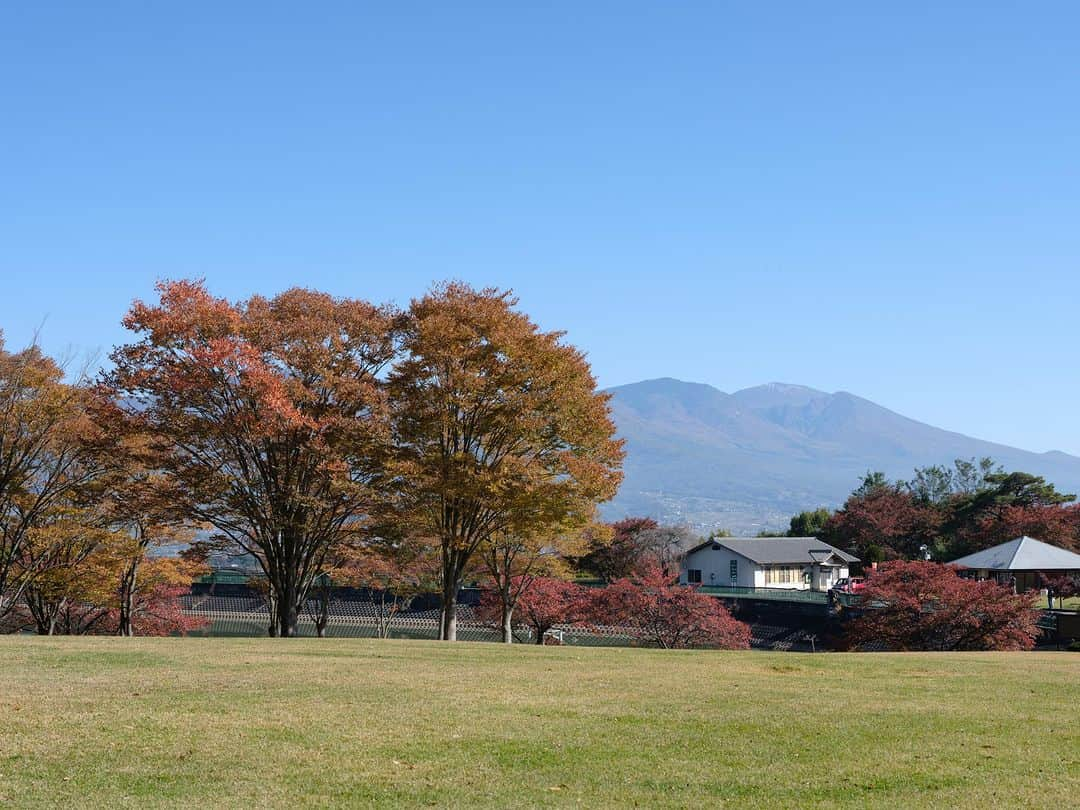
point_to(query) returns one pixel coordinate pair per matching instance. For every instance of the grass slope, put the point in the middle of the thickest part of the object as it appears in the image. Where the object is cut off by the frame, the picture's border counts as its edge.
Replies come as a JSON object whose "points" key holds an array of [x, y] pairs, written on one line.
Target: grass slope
{"points": [[273, 723]]}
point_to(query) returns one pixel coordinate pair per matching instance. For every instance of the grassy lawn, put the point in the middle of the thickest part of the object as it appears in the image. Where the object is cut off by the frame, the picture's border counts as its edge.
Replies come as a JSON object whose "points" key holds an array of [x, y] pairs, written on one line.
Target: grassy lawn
{"points": [[273, 723], [1070, 604]]}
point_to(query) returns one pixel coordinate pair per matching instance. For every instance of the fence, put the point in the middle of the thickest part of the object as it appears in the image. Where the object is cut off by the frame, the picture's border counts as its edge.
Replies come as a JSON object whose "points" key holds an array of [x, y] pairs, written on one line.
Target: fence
{"points": [[248, 616], [769, 594]]}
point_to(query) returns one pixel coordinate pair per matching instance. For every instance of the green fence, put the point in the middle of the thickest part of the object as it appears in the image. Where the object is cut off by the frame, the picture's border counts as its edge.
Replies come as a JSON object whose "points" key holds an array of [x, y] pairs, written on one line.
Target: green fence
{"points": [[771, 594]]}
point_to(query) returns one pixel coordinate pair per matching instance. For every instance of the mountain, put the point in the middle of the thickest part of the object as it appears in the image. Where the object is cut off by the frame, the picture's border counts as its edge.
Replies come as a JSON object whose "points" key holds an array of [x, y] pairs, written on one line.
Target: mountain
{"points": [[749, 460]]}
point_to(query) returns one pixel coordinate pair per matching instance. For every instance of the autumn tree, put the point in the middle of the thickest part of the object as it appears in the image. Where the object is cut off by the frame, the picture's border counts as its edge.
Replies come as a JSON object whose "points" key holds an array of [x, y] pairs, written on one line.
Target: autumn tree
{"points": [[46, 457], [617, 554], [659, 612], [1009, 505], [664, 547], [72, 593], [82, 591], [546, 603], [268, 415], [87, 603], [144, 506], [515, 558], [392, 571], [928, 606], [493, 418], [155, 607], [881, 520]]}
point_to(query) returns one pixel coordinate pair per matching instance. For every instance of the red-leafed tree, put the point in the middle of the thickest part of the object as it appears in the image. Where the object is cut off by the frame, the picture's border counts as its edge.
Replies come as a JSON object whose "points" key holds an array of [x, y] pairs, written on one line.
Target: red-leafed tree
{"points": [[1006, 506], [882, 521], [154, 608], [516, 559], [1058, 525], [659, 612], [618, 553], [929, 606], [543, 604]]}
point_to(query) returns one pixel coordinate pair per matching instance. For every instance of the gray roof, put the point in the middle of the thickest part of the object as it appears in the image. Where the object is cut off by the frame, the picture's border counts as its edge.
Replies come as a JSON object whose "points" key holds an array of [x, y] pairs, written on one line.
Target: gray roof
{"points": [[1022, 554], [769, 550]]}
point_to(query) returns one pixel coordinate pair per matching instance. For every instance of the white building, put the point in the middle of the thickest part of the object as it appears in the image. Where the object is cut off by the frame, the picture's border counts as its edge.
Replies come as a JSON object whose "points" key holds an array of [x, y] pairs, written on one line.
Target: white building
{"points": [[802, 563]]}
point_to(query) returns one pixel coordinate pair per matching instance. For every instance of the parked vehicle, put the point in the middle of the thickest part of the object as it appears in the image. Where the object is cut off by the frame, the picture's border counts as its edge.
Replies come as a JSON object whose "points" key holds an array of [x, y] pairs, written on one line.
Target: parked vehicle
{"points": [[849, 584]]}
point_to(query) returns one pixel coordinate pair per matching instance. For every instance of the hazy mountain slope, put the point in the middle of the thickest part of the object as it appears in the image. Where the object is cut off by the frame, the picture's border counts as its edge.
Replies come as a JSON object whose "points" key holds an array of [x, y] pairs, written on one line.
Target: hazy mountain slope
{"points": [[750, 459]]}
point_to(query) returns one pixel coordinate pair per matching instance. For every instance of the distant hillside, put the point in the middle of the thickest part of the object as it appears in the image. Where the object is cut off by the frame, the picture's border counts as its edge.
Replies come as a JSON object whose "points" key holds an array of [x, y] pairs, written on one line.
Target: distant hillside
{"points": [[748, 460]]}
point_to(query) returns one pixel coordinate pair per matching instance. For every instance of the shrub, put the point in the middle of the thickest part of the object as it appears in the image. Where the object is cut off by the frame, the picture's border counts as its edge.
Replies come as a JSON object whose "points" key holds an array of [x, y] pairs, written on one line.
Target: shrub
{"points": [[928, 606], [658, 612]]}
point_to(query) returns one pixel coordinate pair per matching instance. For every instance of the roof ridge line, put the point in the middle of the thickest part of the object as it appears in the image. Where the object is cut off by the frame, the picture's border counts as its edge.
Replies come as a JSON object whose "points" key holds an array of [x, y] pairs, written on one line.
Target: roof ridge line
{"points": [[1016, 551]]}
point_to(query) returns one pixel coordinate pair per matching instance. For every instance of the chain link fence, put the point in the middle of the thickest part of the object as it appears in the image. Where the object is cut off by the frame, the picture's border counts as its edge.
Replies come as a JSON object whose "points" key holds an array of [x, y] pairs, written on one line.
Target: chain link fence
{"points": [[249, 616]]}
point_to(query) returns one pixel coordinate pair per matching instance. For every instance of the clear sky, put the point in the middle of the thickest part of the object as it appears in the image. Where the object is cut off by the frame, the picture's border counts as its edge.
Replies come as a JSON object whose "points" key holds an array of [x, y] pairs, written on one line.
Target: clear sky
{"points": [[885, 202]]}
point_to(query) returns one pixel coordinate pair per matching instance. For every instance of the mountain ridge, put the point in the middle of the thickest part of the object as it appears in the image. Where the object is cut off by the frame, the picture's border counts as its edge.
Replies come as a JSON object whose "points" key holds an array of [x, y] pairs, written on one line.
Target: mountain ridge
{"points": [[749, 459]]}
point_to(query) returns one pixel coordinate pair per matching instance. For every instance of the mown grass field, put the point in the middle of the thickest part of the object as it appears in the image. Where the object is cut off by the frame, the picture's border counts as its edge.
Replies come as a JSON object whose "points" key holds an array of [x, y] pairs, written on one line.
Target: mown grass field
{"points": [[283, 723]]}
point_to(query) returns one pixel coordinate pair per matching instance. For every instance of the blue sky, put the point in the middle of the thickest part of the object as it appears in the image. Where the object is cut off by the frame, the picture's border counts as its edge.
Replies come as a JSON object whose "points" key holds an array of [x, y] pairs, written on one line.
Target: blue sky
{"points": [[885, 202]]}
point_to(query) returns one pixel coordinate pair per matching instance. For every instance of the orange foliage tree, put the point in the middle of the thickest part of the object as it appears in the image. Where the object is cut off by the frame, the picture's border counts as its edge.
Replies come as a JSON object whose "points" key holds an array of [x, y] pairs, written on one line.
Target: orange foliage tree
{"points": [[268, 417], [145, 510], [493, 419], [72, 594], [47, 456]]}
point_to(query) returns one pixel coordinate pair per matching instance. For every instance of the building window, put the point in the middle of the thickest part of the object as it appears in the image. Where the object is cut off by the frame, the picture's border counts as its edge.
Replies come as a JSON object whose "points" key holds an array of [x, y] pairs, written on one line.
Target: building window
{"points": [[693, 576], [783, 575], [734, 570]]}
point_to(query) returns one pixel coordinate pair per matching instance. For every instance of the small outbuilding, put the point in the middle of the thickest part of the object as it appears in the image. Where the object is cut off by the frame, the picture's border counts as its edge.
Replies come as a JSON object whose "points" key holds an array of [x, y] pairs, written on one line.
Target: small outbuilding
{"points": [[798, 563], [1023, 558]]}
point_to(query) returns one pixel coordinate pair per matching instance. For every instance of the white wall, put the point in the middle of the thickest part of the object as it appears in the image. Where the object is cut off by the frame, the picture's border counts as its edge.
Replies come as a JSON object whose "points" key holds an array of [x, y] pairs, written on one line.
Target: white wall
{"points": [[821, 577], [715, 566]]}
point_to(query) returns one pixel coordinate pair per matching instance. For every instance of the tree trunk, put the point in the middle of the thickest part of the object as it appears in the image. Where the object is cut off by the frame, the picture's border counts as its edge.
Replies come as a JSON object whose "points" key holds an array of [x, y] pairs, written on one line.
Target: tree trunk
{"points": [[271, 608], [285, 598], [288, 621], [54, 616], [383, 615], [42, 611], [288, 618], [127, 599], [507, 624], [448, 631], [324, 612]]}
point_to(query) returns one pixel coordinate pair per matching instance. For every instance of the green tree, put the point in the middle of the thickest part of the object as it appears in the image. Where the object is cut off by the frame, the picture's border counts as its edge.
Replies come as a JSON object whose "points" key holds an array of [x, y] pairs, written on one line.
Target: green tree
{"points": [[938, 484], [809, 524]]}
